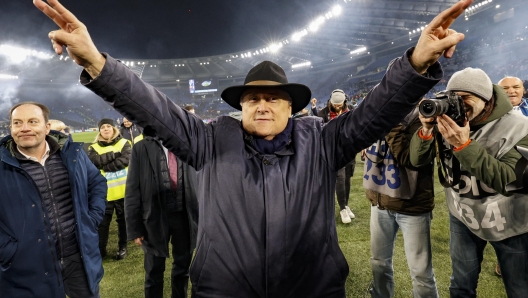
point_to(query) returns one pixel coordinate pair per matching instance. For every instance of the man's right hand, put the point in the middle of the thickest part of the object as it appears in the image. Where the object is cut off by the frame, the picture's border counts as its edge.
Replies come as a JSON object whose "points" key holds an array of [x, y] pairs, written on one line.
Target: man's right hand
{"points": [[314, 102], [139, 241], [74, 36]]}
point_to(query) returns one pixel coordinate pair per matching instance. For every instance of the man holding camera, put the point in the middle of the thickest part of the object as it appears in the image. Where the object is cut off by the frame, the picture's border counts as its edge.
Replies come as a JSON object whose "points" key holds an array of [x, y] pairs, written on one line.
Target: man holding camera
{"points": [[478, 159]]}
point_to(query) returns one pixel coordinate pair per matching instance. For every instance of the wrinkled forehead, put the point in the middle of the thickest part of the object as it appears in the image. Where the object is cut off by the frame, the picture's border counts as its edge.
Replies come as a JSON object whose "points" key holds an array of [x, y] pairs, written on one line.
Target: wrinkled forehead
{"points": [[511, 82]]}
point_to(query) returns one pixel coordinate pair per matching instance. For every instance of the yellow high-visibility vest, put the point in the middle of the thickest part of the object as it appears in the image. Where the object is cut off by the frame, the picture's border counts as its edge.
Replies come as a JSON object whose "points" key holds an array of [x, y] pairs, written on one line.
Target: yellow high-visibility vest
{"points": [[116, 180], [138, 138]]}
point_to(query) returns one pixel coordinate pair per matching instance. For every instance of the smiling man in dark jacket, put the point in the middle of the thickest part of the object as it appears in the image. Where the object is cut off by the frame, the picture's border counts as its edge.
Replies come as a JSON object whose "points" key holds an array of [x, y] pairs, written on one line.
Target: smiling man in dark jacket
{"points": [[266, 184], [52, 201]]}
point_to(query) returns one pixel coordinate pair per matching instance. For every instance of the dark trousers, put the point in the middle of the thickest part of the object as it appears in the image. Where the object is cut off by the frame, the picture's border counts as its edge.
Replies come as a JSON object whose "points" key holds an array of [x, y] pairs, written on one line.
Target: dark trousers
{"points": [[74, 277], [343, 183], [179, 235], [104, 227]]}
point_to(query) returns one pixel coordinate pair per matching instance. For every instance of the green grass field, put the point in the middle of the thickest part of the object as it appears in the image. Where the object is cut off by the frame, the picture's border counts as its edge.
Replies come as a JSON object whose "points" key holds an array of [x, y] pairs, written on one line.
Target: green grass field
{"points": [[85, 137], [125, 278]]}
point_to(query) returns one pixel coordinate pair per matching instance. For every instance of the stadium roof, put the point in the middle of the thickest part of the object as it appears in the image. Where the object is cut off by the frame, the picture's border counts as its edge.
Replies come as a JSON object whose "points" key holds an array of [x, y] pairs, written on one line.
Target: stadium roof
{"points": [[352, 37]]}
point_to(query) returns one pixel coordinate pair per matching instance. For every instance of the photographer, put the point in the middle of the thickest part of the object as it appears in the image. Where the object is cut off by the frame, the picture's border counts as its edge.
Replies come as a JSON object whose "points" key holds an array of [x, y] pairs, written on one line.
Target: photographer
{"points": [[478, 159], [338, 104]]}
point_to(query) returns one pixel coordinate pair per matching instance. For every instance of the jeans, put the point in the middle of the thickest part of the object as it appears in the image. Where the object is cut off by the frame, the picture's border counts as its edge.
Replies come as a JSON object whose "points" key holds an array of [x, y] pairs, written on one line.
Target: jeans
{"points": [[104, 226], [384, 226], [466, 251], [74, 277], [180, 239], [343, 183]]}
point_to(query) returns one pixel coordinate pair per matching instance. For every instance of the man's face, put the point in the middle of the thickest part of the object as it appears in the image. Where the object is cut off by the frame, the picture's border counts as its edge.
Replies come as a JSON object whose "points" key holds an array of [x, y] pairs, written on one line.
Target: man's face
{"points": [[337, 107], [473, 104], [265, 111], [514, 88], [28, 127], [107, 131], [126, 123]]}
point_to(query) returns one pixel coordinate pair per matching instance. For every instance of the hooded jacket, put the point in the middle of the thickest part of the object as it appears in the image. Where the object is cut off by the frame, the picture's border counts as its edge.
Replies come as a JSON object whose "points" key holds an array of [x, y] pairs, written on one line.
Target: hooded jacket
{"points": [[490, 173], [267, 226], [28, 259]]}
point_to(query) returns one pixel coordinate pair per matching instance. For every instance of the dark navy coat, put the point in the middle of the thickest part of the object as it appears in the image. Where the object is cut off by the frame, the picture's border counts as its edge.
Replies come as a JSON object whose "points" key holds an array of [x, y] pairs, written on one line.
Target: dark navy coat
{"points": [[28, 261], [267, 226]]}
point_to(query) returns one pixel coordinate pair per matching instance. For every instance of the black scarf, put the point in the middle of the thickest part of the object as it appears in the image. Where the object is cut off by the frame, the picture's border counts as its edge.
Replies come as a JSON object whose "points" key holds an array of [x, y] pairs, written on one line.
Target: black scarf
{"points": [[279, 141]]}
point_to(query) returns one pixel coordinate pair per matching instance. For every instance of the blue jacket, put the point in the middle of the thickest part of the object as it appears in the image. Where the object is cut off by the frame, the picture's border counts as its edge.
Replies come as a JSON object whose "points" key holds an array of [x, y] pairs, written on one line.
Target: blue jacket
{"points": [[524, 106], [28, 260], [267, 226]]}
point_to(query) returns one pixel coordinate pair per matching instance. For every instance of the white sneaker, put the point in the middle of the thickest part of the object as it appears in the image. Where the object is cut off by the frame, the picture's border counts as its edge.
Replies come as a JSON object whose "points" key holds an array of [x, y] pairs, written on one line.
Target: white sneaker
{"points": [[345, 218], [350, 214]]}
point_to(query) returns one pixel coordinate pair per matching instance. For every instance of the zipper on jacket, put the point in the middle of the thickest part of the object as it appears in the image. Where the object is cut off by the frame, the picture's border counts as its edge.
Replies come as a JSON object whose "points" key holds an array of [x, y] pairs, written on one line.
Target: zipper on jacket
{"points": [[58, 228], [50, 245]]}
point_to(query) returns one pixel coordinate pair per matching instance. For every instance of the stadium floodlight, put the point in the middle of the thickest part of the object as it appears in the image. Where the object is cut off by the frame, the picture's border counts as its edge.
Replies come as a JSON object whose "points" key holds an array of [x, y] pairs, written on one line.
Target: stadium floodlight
{"points": [[336, 10], [315, 24], [296, 36], [304, 64], [7, 77], [357, 51], [275, 47], [17, 54]]}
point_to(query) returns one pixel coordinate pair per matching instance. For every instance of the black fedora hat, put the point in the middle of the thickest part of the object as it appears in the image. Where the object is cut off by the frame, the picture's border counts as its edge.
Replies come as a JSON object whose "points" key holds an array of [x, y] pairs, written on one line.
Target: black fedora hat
{"points": [[268, 75]]}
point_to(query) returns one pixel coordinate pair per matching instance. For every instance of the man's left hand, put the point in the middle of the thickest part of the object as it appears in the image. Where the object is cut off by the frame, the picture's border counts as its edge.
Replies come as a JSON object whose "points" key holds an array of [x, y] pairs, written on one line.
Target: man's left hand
{"points": [[452, 133]]}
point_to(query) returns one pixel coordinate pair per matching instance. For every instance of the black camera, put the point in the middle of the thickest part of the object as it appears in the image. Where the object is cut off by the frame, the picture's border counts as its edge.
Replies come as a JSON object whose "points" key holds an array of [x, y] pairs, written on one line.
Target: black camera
{"points": [[445, 102]]}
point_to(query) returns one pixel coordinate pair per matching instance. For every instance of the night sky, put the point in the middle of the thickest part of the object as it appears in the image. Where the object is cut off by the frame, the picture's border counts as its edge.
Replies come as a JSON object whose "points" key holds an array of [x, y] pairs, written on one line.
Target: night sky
{"points": [[162, 29]]}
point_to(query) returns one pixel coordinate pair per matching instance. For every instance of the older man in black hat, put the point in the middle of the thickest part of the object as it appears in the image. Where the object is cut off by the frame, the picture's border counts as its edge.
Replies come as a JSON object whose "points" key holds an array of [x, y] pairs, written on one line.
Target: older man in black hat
{"points": [[266, 184]]}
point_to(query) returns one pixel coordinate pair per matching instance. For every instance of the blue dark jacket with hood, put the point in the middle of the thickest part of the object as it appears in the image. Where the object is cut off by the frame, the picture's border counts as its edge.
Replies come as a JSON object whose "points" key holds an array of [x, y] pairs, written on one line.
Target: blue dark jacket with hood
{"points": [[29, 266], [267, 226]]}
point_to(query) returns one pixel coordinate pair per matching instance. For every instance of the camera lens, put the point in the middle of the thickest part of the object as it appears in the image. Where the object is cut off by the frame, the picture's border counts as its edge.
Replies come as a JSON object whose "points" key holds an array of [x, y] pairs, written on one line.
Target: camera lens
{"points": [[428, 109], [433, 107]]}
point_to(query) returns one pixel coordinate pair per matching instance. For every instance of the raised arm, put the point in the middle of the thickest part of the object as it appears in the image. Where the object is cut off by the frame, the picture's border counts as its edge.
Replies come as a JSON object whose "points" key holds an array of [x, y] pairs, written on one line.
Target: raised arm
{"points": [[183, 134], [437, 39], [406, 81], [73, 35]]}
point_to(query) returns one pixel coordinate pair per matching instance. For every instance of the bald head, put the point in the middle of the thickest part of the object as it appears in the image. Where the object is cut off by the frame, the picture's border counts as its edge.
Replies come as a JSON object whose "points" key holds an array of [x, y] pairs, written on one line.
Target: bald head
{"points": [[513, 86]]}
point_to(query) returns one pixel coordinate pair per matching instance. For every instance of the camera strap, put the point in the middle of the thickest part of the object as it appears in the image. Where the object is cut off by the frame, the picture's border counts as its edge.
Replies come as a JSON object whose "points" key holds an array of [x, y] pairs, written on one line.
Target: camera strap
{"points": [[440, 155]]}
